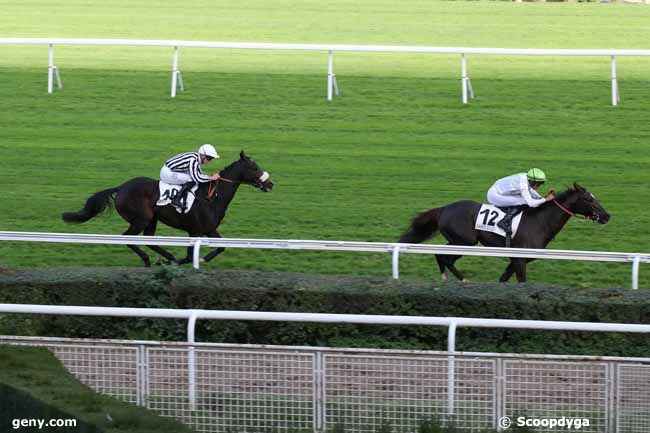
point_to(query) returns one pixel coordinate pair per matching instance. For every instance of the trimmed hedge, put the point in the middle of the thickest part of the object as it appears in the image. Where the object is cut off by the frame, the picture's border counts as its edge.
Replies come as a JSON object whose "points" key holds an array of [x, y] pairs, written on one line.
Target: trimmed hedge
{"points": [[173, 287]]}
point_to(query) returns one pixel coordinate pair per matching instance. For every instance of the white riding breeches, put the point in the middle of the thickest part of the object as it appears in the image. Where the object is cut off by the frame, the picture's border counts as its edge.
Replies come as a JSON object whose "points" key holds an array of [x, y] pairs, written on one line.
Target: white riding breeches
{"points": [[173, 177], [504, 200]]}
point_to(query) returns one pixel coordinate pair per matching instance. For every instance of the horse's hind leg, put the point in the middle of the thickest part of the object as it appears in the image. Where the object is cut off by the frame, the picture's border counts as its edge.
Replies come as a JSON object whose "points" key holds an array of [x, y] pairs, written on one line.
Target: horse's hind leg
{"points": [[507, 273], [150, 230], [133, 230], [189, 258], [449, 264], [520, 269], [214, 253], [444, 275]]}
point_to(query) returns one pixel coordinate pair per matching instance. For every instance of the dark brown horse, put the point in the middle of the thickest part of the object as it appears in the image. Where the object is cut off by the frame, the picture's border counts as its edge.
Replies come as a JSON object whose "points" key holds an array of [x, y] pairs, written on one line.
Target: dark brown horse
{"points": [[135, 200], [538, 227]]}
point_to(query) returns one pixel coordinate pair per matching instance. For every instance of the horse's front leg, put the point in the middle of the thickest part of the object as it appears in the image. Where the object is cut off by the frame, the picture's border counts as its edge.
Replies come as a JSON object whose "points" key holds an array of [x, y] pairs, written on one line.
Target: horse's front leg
{"points": [[214, 253]]}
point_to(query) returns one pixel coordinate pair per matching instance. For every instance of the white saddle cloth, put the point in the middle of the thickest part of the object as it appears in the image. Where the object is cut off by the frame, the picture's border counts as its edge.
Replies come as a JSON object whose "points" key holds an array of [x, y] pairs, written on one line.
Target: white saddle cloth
{"points": [[490, 215], [169, 191]]}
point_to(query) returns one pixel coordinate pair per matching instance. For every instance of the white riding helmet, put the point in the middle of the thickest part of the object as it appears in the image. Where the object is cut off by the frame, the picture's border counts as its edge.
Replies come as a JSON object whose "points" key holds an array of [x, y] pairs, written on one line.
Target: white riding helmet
{"points": [[208, 150]]}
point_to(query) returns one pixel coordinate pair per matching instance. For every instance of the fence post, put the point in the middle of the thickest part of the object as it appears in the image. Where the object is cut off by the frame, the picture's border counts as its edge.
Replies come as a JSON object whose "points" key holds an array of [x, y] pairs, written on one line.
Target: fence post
{"points": [[635, 272], [50, 69], [141, 376], [615, 96], [174, 72], [396, 262], [318, 413], [196, 254], [463, 76], [191, 365], [330, 75], [451, 348]]}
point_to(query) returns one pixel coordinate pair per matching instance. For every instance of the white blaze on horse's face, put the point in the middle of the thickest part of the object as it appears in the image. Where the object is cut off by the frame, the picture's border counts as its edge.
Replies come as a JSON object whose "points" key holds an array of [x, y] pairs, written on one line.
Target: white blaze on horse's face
{"points": [[264, 176]]}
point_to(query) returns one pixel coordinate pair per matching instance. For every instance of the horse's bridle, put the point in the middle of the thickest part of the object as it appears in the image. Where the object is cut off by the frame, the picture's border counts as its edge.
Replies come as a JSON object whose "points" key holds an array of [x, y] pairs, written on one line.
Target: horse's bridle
{"points": [[594, 217]]}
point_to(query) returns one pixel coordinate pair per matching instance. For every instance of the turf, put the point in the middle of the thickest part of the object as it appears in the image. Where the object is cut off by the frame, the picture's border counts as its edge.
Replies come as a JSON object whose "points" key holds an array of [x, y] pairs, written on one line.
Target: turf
{"points": [[395, 142], [36, 372]]}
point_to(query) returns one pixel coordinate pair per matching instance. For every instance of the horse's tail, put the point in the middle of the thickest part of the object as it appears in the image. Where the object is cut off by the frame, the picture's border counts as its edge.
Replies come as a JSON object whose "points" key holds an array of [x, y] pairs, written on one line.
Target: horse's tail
{"points": [[423, 227], [96, 204]]}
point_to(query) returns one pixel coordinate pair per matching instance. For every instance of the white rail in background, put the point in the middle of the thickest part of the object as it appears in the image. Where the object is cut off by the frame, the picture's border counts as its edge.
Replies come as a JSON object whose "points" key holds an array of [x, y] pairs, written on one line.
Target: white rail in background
{"points": [[379, 247], [332, 86]]}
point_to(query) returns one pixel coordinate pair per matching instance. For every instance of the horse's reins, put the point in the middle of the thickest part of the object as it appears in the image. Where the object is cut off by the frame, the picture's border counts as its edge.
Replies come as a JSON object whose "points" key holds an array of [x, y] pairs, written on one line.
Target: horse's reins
{"points": [[567, 211], [212, 188]]}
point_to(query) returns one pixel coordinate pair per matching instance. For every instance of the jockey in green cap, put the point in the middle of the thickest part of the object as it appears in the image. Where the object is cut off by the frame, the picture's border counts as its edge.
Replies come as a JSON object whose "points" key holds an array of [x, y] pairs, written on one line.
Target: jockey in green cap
{"points": [[513, 193]]}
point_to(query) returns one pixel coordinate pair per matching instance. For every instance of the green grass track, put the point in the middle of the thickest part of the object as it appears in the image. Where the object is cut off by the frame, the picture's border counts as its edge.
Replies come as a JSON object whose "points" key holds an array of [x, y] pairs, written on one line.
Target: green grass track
{"points": [[395, 142]]}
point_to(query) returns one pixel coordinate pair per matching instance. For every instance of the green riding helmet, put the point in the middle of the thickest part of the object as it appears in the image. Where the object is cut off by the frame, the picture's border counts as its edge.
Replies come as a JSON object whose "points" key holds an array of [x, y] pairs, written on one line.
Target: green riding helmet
{"points": [[536, 175]]}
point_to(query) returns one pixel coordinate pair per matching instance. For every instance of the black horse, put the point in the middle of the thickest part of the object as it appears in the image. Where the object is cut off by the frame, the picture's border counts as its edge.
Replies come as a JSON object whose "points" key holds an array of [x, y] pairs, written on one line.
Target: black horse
{"points": [[135, 200], [456, 222]]}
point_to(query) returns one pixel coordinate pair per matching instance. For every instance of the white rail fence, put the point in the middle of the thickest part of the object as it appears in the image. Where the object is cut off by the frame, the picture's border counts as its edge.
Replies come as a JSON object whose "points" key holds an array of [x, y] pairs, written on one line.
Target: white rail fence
{"points": [[358, 388], [332, 86], [395, 249]]}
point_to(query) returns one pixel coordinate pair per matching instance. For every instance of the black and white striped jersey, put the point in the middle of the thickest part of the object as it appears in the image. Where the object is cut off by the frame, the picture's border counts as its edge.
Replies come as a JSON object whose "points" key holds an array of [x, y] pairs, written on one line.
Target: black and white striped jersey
{"points": [[190, 163]]}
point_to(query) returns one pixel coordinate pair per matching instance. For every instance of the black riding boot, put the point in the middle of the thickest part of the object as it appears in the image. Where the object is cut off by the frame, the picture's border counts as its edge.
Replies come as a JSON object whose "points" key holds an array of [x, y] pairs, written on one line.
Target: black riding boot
{"points": [[506, 222], [180, 199]]}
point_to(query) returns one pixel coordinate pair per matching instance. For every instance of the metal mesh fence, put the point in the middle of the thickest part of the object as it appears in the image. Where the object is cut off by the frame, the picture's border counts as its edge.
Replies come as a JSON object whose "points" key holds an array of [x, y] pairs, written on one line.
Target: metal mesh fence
{"points": [[370, 392], [633, 399], [263, 389], [235, 390], [545, 389]]}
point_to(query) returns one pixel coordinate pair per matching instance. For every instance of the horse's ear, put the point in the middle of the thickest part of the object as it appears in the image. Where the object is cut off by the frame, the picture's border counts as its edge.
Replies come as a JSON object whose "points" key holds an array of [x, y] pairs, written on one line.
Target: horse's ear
{"points": [[577, 187], [242, 155]]}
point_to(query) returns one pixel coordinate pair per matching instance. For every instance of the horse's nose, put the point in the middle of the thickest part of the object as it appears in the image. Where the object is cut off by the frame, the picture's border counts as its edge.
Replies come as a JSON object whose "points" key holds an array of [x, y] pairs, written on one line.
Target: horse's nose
{"points": [[604, 218]]}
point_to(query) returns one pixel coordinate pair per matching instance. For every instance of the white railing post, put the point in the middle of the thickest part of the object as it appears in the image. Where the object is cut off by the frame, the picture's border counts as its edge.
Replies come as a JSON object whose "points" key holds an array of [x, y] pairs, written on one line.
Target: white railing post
{"points": [[191, 364], [175, 72], [196, 254], [330, 75], [615, 95], [52, 72], [463, 76], [395, 262], [50, 69], [635, 272], [451, 374]]}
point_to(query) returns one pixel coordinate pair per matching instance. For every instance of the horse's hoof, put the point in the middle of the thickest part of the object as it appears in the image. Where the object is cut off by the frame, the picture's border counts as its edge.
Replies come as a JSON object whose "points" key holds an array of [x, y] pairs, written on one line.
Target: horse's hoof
{"points": [[464, 280], [444, 277]]}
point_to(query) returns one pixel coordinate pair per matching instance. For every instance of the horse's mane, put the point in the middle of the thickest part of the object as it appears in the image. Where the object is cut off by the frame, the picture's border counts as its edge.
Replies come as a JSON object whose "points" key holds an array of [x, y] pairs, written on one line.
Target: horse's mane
{"points": [[230, 166], [569, 191]]}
